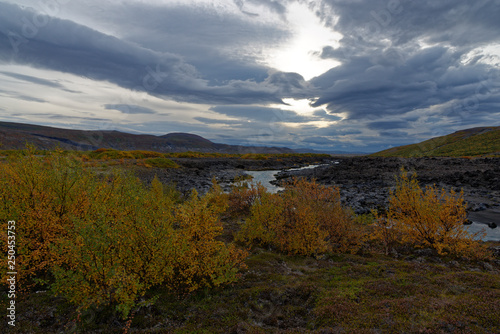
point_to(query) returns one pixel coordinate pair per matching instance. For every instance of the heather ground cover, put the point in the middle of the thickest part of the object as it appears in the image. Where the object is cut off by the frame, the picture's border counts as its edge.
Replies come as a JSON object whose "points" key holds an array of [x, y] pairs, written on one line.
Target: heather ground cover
{"points": [[99, 250]]}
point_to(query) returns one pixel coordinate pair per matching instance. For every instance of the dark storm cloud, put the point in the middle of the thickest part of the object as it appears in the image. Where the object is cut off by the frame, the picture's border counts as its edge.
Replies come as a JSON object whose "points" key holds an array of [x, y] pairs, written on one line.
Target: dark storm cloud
{"points": [[385, 72], [388, 125], [365, 24], [65, 46], [130, 109], [290, 84], [318, 140], [364, 87], [215, 43]]}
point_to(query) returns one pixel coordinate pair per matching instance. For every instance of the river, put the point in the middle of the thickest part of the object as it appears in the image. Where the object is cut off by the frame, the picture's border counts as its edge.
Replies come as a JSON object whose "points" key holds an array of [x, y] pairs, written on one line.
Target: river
{"points": [[266, 176]]}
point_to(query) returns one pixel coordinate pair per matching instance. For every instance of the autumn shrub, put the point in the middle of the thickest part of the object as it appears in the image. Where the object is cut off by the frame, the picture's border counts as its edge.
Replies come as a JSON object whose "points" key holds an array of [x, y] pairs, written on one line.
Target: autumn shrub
{"points": [[137, 154], [265, 218], [385, 232], [426, 218], [136, 239], [242, 196], [201, 260], [256, 156], [307, 218], [107, 239], [42, 194], [120, 249]]}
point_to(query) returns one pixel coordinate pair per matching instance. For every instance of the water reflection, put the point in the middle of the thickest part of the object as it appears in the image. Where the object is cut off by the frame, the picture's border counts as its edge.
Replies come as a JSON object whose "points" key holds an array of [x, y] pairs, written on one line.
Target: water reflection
{"points": [[492, 234], [265, 177]]}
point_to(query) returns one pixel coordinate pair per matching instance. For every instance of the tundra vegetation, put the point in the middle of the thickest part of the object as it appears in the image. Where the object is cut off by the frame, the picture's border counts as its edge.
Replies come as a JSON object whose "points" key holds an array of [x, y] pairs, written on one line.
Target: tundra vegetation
{"points": [[465, 143], [105, 252]]}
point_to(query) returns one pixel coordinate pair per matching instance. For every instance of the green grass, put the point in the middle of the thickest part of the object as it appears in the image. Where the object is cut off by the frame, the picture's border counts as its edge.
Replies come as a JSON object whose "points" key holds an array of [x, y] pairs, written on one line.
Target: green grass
{"points": [[465, 143]]}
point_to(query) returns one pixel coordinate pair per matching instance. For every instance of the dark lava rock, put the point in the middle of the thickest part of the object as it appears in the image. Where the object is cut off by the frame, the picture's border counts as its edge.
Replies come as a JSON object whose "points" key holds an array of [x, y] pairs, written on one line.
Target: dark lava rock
{"points": [[197, 173], [365, 182]]}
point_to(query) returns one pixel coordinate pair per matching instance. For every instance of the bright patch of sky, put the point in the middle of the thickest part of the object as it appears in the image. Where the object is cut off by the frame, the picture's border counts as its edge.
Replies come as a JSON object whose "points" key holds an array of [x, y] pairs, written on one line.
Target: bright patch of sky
{"points": [[309, 36]]}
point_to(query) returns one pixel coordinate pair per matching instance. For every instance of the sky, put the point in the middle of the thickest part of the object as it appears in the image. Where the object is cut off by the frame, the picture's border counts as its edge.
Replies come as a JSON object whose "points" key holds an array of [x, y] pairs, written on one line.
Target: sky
{"points": [[328, 75]]}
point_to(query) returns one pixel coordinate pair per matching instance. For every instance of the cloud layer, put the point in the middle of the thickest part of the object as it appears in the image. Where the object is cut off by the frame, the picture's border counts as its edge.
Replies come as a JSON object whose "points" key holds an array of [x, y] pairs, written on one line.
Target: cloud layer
{"points": [[407, 70]]}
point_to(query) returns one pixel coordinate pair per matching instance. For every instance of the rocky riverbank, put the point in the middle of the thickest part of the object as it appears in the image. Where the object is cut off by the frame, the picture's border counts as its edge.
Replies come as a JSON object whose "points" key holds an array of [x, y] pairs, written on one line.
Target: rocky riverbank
{"points": [[197, 173], [365, 182]]}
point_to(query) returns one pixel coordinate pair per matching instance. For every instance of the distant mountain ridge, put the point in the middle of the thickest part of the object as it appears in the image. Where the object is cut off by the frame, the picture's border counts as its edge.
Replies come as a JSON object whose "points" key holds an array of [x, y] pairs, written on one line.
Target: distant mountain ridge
{"points": [[469, 142], [16, 135]]}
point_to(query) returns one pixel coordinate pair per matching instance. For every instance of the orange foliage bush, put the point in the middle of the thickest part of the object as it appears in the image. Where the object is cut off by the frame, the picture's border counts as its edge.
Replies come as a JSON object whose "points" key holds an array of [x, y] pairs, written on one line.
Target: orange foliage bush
{"points": [[42, 194], [426, 218], [307, 218], [137, 239], [242, 197]]}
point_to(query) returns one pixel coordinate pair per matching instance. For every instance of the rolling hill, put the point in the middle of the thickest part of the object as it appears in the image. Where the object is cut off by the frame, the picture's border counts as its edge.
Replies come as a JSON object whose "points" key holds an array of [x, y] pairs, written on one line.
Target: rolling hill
{"points": [[15, 136], [469, 142]]}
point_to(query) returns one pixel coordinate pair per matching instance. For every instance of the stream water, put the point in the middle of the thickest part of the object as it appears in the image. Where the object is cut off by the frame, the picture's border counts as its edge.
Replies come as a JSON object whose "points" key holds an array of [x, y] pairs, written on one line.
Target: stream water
{"points": [[266, 176], [492, 234]]}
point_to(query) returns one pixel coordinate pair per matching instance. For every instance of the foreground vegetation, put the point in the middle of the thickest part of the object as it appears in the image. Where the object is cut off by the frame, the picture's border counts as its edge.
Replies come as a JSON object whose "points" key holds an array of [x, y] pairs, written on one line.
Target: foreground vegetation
{"points": [[108, 253]]}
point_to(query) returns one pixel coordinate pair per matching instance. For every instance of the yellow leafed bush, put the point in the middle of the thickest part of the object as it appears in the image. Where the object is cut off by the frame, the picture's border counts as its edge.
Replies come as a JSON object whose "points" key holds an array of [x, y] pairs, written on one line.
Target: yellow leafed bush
{"points": [[307, 218], [107, 239], [120, 249], [427, 217], [201, 260]]}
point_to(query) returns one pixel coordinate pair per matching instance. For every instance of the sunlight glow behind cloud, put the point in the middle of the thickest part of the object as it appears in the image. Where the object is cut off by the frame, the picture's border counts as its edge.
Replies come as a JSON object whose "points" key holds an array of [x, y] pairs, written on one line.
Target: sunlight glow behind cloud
{"points": [[309, 35], [301, 106]]}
